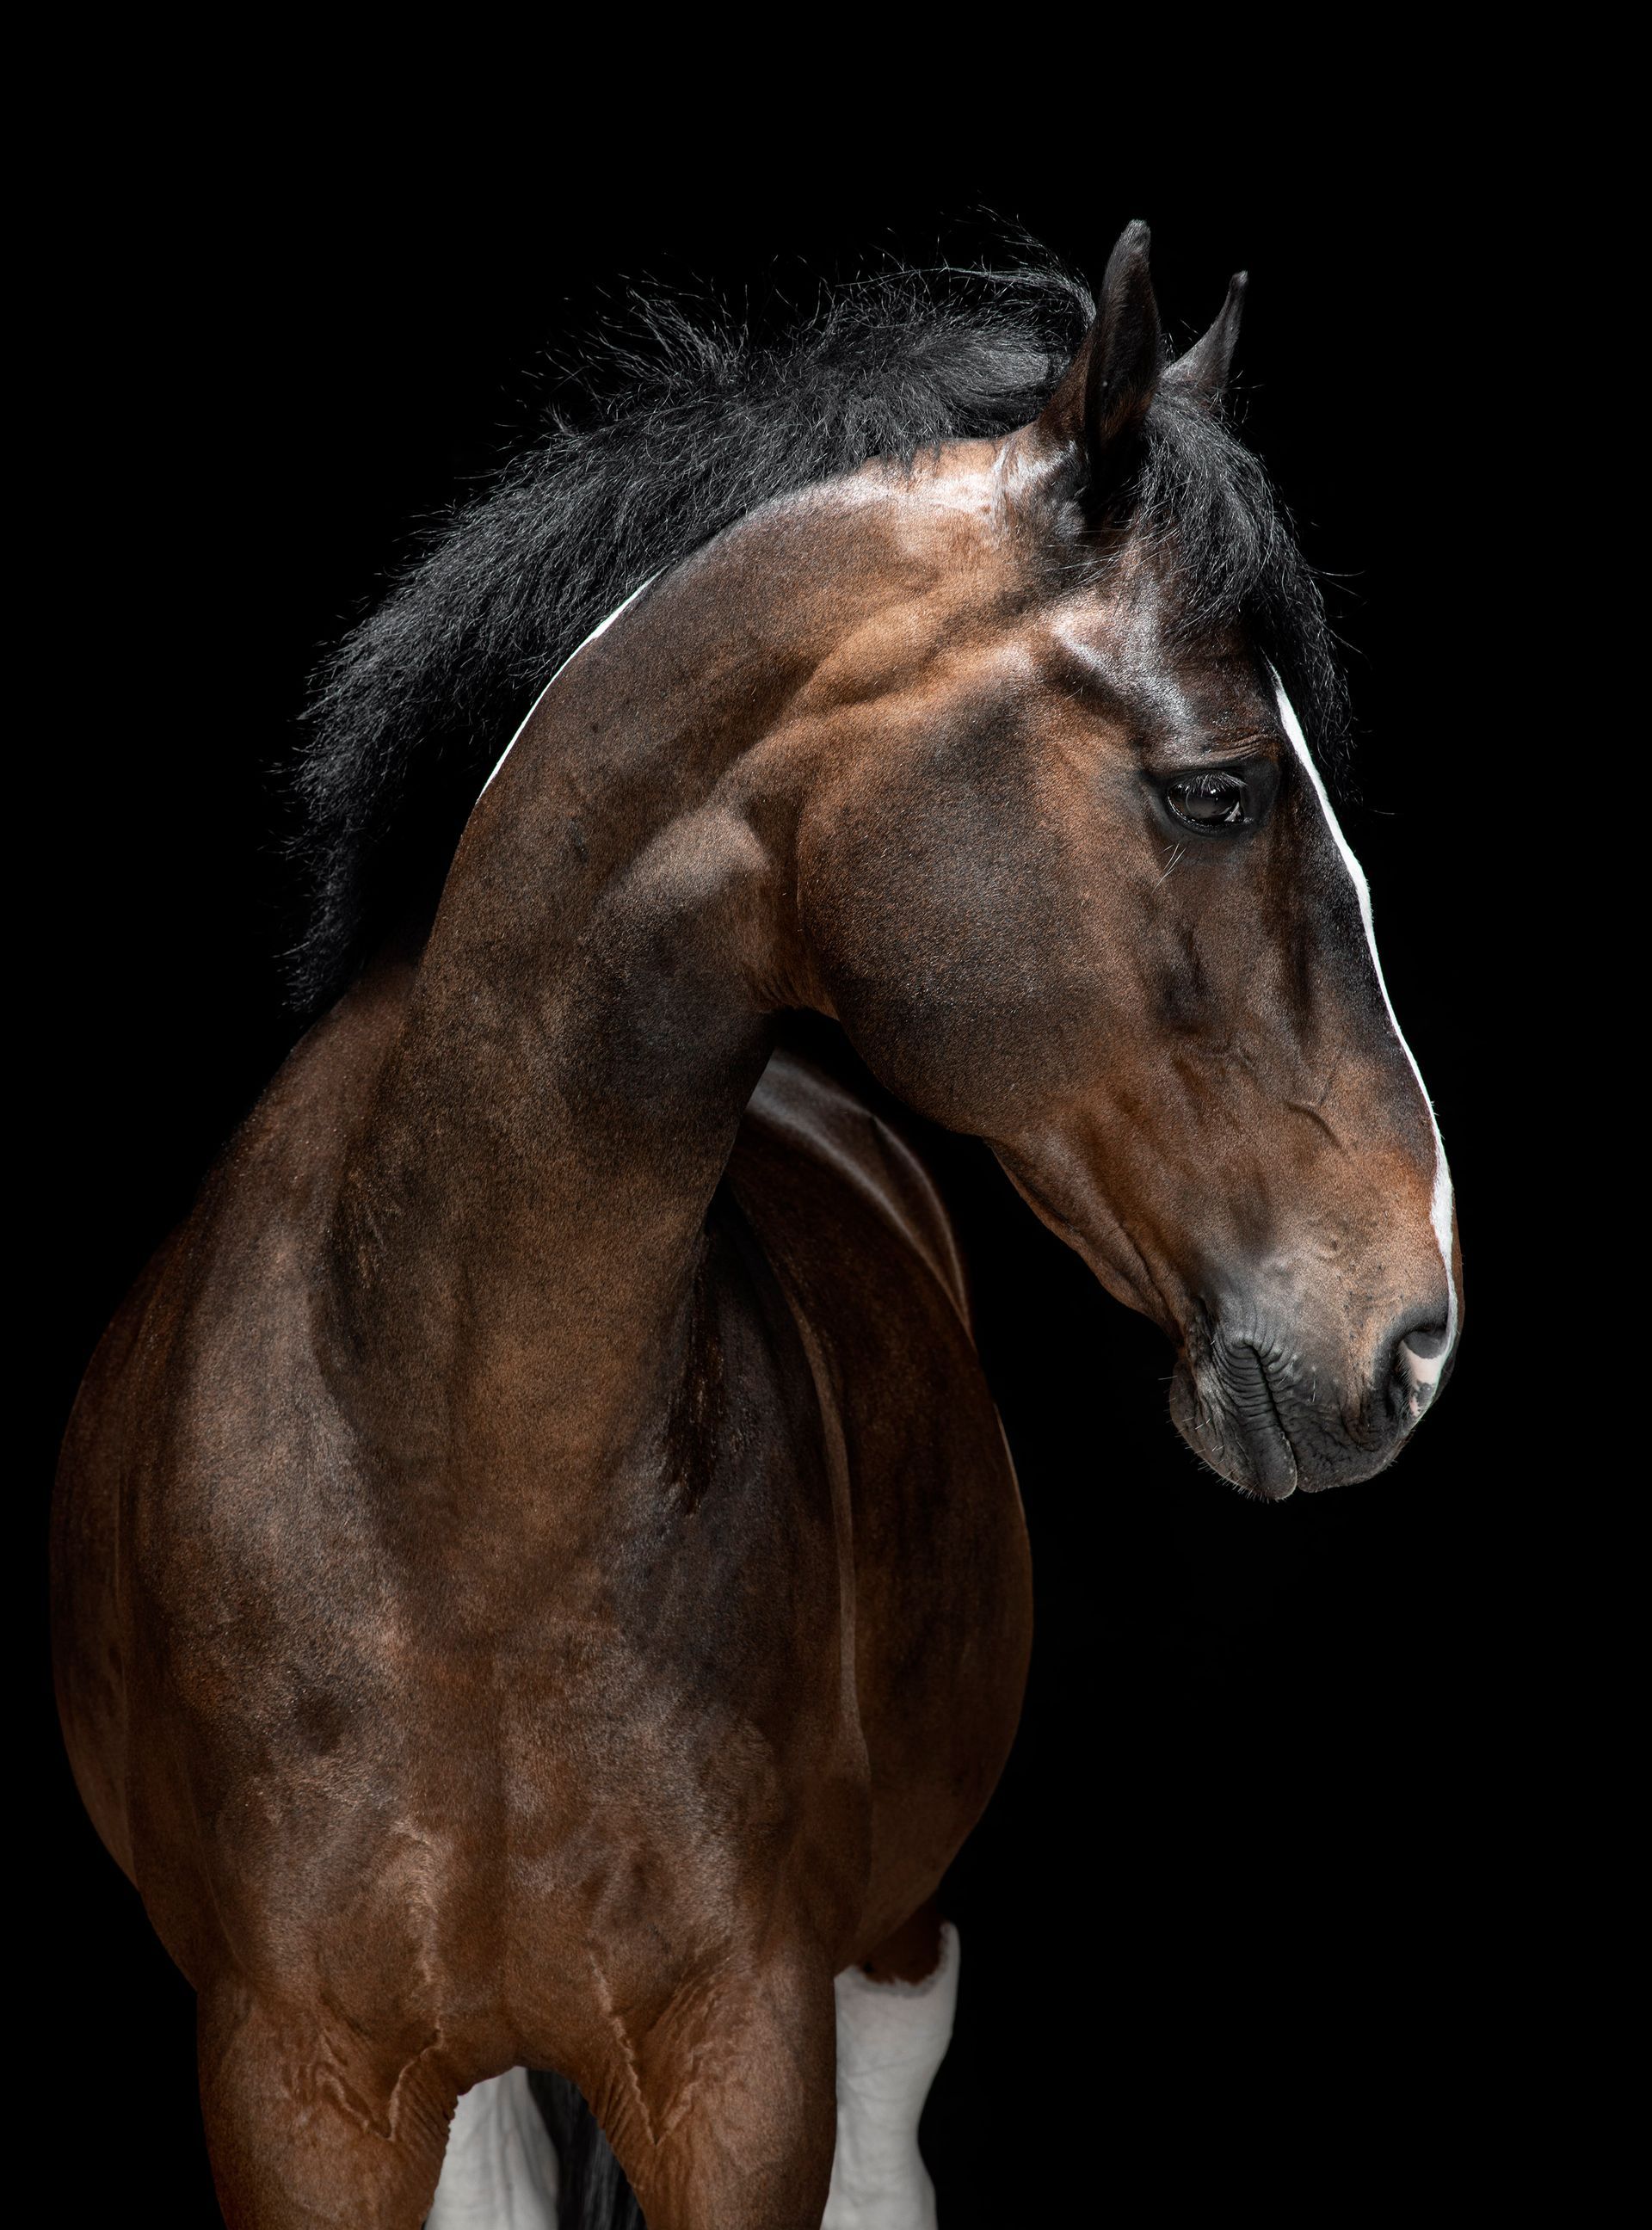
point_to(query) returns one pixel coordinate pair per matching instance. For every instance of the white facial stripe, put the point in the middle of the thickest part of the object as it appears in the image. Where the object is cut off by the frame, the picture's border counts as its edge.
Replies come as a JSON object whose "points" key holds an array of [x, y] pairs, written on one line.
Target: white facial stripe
{"points": [[618, 612], [1424, 1372]]}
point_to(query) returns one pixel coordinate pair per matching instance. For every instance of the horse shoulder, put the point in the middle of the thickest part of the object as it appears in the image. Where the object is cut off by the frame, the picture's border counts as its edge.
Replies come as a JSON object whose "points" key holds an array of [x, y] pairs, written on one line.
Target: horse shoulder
{"points": [[200, 1483]]}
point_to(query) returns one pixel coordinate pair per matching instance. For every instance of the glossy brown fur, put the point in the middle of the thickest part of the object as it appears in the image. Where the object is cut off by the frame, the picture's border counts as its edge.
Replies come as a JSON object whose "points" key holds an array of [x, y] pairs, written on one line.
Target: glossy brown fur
{"points": [[525, 1822], [540, 1580]]}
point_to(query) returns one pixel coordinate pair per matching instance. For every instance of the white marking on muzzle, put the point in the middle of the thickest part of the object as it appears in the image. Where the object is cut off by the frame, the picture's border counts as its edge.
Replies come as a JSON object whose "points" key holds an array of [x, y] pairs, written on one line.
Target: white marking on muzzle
{"points": [[1424, 1372], [602, 628]]}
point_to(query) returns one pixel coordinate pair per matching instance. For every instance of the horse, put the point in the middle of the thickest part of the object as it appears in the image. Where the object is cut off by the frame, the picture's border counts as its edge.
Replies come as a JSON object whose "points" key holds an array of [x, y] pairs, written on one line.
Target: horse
{"points": [[540, 1590]]}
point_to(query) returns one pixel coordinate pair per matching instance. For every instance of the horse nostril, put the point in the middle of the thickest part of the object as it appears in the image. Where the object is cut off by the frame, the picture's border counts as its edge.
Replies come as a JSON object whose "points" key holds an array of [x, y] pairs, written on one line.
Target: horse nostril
{"points": [[1426, 1342], [1417, 1348]]}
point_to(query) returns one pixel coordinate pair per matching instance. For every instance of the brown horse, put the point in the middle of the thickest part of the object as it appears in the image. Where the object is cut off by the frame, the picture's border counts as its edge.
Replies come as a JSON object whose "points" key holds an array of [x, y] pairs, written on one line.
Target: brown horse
{"points": [[540, 1582]]}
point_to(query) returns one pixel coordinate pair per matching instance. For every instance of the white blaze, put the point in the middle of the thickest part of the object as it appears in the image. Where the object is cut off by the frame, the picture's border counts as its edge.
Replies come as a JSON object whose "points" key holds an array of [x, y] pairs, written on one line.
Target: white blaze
{"points": [[1424, 1372]]}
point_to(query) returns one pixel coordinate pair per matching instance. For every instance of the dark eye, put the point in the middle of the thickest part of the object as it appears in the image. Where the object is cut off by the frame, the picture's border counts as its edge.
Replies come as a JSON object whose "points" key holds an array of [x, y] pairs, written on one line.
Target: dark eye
{"points": [[1214, 800]]}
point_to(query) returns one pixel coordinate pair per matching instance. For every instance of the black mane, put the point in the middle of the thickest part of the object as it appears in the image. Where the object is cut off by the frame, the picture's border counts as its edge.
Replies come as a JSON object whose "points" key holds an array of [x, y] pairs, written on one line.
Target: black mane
{"points": [[680, 429]]}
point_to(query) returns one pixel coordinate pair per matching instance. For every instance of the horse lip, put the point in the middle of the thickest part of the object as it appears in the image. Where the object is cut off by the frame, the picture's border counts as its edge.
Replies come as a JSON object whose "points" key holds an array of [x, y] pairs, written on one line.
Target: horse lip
{"points": [[1272, 1459], [1255, 1412], [1243, 1442], [1275, 1479]]}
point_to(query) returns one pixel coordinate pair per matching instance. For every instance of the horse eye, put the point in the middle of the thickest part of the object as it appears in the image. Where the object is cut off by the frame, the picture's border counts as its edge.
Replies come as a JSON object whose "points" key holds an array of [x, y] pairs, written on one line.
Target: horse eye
{"points": [[1212, 801]]}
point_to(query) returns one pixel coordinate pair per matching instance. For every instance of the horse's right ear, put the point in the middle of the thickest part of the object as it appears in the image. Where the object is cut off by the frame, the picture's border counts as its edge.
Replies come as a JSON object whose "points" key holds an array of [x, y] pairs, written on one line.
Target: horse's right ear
{"points": [[1203, 372], [1096, 412]]}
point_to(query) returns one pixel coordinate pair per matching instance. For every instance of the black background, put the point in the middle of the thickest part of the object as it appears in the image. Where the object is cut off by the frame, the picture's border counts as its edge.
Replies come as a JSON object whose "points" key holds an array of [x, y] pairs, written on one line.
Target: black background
{"points": [[1243, 1903]]}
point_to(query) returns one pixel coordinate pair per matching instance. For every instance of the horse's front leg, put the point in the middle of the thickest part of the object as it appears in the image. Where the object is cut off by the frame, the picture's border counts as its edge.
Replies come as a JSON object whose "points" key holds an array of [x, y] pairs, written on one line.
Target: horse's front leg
{"points": [[723, 2116], [894, 2021], [501, 2169], [308, 2126]]}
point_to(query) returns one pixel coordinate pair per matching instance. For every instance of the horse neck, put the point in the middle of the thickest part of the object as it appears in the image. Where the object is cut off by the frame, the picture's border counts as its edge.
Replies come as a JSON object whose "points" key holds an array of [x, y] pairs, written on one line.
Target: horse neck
{"points": [[515, 1247]]}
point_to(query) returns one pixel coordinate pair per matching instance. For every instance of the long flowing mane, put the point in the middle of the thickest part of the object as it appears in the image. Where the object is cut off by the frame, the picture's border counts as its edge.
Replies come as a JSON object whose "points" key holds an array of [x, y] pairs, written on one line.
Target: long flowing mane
{"points": [[676, 430]]}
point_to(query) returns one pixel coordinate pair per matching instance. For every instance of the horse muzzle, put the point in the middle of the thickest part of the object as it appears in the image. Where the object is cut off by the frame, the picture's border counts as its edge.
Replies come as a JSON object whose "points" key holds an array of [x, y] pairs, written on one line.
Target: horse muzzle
{"points": [[1271, 1414]]}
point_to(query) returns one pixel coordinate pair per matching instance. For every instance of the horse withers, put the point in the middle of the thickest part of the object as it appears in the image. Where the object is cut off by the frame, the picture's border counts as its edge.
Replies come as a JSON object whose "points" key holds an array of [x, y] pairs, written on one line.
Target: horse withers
{"points": [[539, 1583]]}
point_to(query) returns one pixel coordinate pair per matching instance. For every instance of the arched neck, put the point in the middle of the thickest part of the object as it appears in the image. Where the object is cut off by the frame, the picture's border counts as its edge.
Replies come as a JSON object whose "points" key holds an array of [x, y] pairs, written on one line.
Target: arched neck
{"points": [[513, 1252]]}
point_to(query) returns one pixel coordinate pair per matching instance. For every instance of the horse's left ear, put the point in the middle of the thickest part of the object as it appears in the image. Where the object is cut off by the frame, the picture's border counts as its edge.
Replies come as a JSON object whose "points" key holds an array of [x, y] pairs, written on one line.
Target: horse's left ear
{"points": [[1097, 410], [1203, 372]]}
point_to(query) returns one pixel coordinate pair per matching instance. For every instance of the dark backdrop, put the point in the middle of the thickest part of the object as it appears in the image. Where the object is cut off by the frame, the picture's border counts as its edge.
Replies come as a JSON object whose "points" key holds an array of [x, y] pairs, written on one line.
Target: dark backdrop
{"points": [[1241, 1891]]}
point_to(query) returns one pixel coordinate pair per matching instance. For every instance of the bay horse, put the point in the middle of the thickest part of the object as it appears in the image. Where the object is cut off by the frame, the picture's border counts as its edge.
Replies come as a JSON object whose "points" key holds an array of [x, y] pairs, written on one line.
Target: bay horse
{"points": [[539, 1584]]}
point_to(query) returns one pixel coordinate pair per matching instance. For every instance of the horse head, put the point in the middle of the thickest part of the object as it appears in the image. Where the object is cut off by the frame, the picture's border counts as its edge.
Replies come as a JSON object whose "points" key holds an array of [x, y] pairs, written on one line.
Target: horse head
{"points": [[1072, 883]]}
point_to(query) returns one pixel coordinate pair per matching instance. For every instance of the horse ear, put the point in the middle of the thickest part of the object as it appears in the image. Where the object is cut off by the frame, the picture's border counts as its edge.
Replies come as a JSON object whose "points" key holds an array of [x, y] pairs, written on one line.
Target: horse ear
{"points": [[1203, 372], [1105, 392]]}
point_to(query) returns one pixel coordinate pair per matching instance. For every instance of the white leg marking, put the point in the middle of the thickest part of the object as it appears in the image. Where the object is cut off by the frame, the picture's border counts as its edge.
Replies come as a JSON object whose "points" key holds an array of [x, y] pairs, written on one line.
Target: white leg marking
{"points": [[500, 2171], [891, 2039], [1424, 1370]]}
